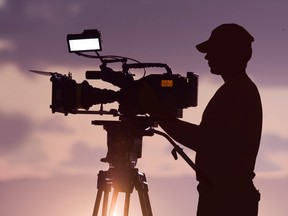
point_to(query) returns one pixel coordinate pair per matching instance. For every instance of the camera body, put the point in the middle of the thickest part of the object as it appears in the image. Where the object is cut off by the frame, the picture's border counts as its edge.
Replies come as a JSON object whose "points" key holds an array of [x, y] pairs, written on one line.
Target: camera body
{"points": [[174, 92]]}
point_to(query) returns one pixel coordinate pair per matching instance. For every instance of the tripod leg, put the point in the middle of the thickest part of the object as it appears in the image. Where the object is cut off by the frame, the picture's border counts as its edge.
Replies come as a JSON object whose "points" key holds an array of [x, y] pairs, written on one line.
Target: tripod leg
{"points": [[105, 203], [113, 202], [142, 188], [104, 186], [127, 204], [147, 203], [97, 203]]}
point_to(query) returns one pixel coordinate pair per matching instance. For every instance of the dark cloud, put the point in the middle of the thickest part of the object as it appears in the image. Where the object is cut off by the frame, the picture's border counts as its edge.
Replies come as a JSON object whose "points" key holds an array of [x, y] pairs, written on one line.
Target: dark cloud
{"points": [[15, 137], [37, 29], [54, 125], [273, 143], [83, 155], [15, 140], [14, 130], [162, 31], [270, 144]]}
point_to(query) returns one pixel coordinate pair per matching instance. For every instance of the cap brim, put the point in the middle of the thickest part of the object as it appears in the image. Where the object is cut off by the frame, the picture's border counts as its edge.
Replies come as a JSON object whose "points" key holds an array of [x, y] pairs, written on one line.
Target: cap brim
{"points": [[203, 47]]}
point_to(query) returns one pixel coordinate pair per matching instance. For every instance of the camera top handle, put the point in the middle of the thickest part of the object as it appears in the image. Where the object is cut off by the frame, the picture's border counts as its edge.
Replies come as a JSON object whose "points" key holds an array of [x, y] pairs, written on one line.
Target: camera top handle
{"points": [[126, 67]]}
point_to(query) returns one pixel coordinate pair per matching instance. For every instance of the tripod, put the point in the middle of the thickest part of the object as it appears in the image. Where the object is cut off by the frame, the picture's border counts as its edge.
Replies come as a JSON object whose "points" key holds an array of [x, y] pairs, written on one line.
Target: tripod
{"points": [[121, 182], [124, 148], [124, 139]]}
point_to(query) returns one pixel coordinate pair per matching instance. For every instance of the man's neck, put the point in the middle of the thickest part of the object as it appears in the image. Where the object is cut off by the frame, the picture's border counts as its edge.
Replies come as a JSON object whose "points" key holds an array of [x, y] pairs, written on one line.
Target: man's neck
{"points": [[234, 75]]}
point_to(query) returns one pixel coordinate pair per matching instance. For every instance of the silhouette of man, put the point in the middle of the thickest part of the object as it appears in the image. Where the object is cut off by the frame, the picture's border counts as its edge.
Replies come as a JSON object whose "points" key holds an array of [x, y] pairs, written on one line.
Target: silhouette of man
{"points": [[227, 140]]}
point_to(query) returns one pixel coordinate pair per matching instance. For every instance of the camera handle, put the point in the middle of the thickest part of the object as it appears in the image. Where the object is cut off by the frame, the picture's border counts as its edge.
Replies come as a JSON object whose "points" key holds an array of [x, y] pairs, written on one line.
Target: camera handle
{"points": [[179, 150], [126, 67]]}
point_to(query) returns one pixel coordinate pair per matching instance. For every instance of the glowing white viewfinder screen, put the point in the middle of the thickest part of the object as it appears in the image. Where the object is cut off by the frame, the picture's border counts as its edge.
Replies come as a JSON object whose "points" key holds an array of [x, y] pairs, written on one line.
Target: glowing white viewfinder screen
{"points": [[84, 44]]}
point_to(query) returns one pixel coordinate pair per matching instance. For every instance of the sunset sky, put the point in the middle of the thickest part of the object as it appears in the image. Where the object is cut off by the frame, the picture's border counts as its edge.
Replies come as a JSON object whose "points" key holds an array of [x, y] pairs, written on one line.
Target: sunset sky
{"points": [[49, 162]]}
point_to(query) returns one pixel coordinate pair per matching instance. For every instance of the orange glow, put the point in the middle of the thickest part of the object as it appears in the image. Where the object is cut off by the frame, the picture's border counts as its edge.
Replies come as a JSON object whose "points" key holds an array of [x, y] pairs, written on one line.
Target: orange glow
{"points": [[166, 83]]}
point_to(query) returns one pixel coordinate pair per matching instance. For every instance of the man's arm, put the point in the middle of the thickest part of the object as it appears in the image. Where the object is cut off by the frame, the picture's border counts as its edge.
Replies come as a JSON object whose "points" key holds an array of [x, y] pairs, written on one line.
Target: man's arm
{"points": [[183, 132]]}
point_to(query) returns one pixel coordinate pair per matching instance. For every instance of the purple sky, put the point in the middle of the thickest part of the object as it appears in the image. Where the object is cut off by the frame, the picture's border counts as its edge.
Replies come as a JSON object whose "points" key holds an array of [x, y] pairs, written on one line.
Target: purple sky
{"points": [[48, 158]]}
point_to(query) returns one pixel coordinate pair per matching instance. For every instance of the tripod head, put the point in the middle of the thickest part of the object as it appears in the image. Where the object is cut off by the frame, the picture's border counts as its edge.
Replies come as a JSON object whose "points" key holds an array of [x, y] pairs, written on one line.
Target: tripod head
{"points": [[124, 139]]}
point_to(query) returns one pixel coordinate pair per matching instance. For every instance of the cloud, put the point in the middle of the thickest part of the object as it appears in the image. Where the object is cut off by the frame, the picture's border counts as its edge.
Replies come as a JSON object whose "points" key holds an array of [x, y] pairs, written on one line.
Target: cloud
{"points": [[272, 143], [2, 3], [14, 130], [54, 125], [20, 152], [38, 32], [273, 156], [84, 156], [30, 147], [6, 45]]}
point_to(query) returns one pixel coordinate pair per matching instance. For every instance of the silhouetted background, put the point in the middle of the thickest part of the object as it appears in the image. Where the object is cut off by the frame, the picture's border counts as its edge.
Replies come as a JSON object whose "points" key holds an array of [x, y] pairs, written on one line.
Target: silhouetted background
{"points": [[49, 163]]}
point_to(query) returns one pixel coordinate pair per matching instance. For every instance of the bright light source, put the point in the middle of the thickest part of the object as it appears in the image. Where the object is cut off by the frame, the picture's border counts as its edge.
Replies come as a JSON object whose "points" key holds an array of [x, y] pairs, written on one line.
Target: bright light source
{"points": [[89, 44], [88, 40]]}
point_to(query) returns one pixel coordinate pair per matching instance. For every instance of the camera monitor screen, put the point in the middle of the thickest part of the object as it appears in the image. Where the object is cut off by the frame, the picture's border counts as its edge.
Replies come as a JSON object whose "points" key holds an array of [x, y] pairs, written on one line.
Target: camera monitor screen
{"points": [[82, 45]]}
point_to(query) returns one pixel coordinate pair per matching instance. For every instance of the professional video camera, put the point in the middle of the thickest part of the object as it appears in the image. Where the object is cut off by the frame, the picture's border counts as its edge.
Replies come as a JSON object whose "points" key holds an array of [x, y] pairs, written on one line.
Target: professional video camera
{"points": [[174, 91], [124, 137]]}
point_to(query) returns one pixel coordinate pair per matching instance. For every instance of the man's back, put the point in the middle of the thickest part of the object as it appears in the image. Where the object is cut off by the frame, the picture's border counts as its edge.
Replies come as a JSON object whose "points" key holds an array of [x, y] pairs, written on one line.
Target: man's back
{"points": [[230, 137], [230, 132]]}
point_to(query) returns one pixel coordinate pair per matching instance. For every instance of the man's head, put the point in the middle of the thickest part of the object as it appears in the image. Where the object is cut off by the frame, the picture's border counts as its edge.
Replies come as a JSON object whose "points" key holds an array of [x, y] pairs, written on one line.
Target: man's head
{"points": [[228, 49]]}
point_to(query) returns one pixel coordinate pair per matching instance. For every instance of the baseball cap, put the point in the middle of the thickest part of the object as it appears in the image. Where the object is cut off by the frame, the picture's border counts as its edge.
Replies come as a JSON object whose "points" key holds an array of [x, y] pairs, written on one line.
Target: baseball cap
{"points": [[226, 35]]}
